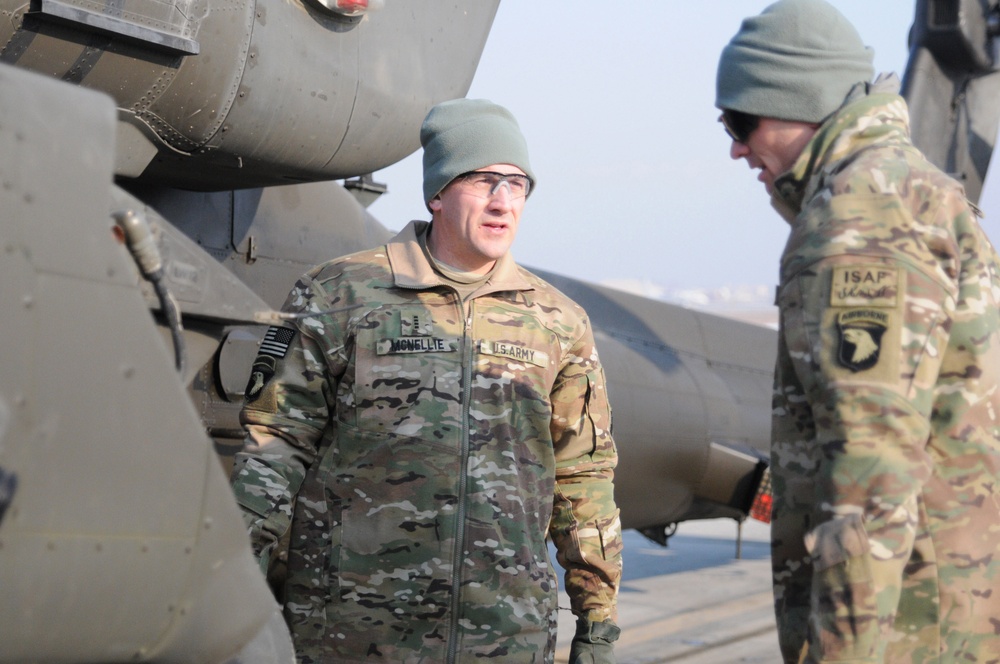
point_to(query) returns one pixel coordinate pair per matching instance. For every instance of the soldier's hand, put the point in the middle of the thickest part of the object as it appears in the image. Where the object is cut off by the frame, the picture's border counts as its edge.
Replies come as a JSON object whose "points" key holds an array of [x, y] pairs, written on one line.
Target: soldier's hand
{"points": [[592, 643]]}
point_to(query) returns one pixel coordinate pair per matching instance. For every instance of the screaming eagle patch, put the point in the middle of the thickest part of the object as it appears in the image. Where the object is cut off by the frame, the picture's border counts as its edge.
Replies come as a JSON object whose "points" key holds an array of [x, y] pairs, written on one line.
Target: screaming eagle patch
{"points": [[260, 375], [861, 332]]}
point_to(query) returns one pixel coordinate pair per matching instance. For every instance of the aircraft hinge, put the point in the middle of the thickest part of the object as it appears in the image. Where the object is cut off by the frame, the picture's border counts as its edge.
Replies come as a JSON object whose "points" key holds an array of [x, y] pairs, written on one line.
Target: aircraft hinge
{"points": [[251, 249], [8, 486]]}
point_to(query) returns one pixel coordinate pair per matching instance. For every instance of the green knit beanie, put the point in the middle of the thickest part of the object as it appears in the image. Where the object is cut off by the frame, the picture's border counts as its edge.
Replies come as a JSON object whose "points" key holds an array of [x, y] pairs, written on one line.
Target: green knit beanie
{"points": [[797, 60], [462, 135]]}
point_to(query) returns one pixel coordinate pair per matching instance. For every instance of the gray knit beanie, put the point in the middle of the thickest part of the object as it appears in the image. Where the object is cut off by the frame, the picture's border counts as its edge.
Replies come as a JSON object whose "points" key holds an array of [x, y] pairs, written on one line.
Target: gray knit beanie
{"points": [[462, 135], [797, 60]]}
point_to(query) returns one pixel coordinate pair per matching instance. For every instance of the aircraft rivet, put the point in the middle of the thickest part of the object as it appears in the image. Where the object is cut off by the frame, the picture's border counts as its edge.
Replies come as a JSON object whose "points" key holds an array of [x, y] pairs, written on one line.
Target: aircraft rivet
{"points": [[51, 546], [99, 547], [28, 301], [208, 522], [128, 372]]}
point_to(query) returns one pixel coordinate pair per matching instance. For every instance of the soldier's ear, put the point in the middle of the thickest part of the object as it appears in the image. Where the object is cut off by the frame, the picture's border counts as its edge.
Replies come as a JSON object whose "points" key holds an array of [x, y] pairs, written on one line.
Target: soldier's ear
{"points": [[435, 204]]}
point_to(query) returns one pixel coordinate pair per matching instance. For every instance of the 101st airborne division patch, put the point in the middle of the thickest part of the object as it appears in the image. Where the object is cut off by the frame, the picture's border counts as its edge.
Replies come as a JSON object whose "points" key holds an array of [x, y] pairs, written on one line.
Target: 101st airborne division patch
{"points": [[861, 332], [866, 294]]}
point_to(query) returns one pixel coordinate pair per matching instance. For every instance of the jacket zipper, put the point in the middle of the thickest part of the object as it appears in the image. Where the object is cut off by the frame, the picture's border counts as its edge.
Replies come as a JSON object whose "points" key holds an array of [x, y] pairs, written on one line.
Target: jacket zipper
{"points": [[457, 557]]}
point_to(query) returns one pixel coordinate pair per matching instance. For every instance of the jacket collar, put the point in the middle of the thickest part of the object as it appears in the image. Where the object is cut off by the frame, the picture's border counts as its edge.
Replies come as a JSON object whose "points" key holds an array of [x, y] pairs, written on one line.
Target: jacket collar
{"points": [[877, 117], [410, 268]]}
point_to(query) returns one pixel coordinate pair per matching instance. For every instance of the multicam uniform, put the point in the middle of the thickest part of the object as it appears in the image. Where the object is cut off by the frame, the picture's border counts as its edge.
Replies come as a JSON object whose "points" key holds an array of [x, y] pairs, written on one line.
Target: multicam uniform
{"points": [[421, 449], [886, 446]]}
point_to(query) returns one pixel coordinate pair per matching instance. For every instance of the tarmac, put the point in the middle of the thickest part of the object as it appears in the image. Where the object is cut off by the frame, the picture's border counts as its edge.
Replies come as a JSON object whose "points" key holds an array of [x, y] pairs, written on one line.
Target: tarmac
{"points": [[693, 602]]}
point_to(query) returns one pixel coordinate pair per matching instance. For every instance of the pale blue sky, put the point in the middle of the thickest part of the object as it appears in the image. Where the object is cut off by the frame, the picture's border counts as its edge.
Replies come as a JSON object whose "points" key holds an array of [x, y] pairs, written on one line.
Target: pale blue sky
{"points": [[634, 176]]}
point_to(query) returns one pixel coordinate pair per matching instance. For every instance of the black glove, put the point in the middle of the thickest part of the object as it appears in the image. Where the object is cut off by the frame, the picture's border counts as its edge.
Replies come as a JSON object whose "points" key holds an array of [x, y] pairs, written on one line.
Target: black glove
{"points": [[592, 643]]}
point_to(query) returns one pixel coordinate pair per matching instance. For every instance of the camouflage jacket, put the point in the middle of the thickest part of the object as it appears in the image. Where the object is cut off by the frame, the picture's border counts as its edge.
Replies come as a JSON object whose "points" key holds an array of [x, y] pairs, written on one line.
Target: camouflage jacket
{"points": [[419, 450], [885, 443]]}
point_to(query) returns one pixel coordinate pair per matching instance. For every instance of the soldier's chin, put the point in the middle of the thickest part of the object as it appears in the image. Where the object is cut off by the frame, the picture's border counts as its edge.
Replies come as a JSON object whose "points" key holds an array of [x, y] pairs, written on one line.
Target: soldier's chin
{"points": [[766, 179]]}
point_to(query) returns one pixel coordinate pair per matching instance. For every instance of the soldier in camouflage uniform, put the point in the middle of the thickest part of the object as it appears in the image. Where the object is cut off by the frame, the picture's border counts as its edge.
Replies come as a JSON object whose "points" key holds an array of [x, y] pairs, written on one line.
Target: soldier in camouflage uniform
{"points": [[433, 414], [885, 445]]}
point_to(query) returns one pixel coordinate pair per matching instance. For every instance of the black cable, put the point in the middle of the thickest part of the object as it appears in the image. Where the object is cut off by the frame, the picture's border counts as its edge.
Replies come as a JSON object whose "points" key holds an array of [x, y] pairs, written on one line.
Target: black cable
{"points": [[142, 245]]}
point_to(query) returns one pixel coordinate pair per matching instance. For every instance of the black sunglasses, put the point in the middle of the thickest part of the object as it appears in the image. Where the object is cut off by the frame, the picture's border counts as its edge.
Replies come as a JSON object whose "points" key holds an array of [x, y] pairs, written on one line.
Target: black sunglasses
{"points": [[739, 125]]}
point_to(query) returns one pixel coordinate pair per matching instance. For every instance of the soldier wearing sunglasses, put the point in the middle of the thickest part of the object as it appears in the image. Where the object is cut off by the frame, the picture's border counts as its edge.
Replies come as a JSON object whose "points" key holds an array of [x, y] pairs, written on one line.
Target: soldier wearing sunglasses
{"points": [[431, 415], [886, 428]]}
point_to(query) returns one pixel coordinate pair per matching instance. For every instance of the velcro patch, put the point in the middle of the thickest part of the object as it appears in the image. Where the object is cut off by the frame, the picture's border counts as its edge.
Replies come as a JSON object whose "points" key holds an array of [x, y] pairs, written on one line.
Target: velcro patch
{"points": [[414, 322], [276, 341], [861, 332], [260, 375], [416, 345], [864, 286], [514, 352]]}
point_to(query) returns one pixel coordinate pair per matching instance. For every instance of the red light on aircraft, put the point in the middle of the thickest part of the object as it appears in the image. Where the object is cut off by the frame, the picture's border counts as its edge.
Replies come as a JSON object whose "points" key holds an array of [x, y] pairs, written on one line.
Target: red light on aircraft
{"points": [[761, 507], [349, 7], [352, 8]]}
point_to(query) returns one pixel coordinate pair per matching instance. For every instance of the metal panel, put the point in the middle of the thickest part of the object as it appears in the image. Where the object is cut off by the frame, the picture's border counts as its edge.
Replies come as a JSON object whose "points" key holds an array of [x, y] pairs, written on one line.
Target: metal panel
{"points": [[122, 541], [159, 24]]}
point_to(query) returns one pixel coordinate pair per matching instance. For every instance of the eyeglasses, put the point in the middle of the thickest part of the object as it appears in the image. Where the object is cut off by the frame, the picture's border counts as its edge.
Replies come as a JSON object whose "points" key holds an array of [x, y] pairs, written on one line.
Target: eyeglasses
{"points": [[739, 125], [488, 183]]}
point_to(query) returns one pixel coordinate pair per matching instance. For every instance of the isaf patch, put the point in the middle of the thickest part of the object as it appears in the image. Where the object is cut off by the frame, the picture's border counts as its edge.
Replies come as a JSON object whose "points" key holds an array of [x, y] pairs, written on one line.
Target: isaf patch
{"points": [[861, 332], [273, 348], [864, 286]]}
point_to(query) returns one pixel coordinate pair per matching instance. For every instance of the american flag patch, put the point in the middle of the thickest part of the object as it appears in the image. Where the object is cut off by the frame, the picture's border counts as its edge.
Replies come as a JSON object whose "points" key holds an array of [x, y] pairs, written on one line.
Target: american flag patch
{"points": [[276, 341]]}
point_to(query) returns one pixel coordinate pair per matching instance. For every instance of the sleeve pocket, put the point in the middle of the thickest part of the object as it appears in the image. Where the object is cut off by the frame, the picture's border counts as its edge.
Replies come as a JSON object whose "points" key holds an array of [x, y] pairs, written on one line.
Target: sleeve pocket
{"points": [[263, 495], [598, 408], [258, 488]]}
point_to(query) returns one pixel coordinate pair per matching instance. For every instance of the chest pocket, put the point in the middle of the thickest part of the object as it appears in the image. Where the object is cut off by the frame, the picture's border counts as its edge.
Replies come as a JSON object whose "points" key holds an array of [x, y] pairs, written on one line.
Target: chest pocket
{"points": [[517, 360], [408, 373]]}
